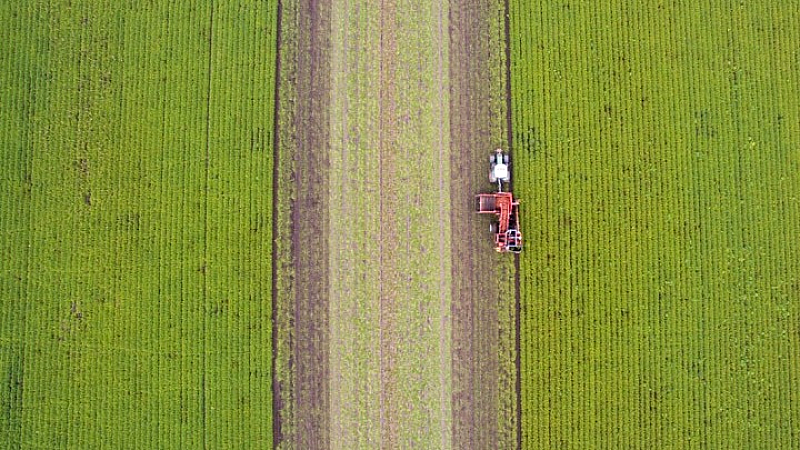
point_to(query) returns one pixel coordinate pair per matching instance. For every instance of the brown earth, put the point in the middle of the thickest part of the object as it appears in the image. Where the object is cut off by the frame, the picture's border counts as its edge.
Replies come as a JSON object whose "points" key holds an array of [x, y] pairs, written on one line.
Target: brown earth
{"points": [[302, 394], [481, 389]]}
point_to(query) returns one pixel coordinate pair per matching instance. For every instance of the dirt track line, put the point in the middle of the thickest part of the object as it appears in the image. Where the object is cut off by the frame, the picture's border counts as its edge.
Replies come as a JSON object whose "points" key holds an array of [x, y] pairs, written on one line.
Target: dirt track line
{"points": [[382, 414], [444, 357], [301, 321], [387, 138], [382, 401], [336, 253]]}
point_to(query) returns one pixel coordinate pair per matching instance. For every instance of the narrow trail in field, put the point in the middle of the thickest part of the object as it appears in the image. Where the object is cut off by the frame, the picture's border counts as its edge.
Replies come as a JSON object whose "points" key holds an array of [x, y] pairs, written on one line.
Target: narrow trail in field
{"points": [[445, 330], [355, 199], [414, 262], [310, 234], [277, 402]]}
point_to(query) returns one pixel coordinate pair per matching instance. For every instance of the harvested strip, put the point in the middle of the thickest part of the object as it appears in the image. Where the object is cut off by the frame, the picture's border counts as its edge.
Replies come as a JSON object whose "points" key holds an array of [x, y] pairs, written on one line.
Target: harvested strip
{"points": [[355, 226], [301, 318], [483, 291]]}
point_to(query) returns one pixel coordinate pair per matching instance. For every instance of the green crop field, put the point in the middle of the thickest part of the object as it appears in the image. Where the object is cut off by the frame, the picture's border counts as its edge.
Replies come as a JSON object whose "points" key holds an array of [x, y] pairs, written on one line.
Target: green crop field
{"points": [[135, 223], [658, 155], [656, 150]]}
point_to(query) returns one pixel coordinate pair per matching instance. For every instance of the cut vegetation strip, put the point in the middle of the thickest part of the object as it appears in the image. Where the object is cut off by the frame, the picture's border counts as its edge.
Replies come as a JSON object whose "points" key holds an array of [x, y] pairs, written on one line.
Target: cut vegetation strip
{"points": [[415, 270], [659, 287], [388, 341], [390, 358], [355, 221], [146, 288]]}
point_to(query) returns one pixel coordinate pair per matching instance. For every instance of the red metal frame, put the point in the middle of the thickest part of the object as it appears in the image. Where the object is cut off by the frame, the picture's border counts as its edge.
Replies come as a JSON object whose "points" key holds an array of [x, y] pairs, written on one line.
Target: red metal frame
{"points": [[502, 204]]}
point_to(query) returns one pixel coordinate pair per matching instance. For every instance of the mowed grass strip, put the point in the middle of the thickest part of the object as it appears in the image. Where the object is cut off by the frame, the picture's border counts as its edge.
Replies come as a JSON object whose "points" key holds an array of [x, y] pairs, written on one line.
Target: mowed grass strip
{"points": [[416, 197], [355, 227], [655, 149], [119, 341], [483, 296]]}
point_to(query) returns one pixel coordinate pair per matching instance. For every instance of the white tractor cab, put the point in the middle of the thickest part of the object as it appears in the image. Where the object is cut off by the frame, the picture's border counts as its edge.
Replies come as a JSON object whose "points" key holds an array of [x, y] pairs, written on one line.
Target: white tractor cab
{"points": [[498, 170]]}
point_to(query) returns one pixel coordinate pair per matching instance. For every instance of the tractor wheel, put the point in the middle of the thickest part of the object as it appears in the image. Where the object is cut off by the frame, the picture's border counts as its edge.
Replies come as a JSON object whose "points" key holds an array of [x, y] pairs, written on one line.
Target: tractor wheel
{"points": [[505, 159]]}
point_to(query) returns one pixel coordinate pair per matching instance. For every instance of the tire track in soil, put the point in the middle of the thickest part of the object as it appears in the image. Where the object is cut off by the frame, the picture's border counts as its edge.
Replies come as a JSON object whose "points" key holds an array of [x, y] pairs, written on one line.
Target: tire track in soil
{"points": [[389, 232], [277, 401]]}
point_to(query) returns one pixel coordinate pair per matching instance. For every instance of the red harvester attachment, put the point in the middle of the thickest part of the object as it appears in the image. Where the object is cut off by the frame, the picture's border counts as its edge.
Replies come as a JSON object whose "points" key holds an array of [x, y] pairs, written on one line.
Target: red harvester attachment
{"points": [[507, 235]]}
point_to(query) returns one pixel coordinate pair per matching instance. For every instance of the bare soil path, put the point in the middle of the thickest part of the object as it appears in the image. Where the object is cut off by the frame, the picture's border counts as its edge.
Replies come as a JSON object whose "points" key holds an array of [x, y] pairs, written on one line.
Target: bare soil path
{"points": [[355, 221], [415, 198]]}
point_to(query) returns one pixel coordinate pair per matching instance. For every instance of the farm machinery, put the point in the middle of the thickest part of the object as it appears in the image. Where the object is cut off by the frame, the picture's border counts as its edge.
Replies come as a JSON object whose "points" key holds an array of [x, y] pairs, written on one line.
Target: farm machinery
{"points": [[507, 237]]}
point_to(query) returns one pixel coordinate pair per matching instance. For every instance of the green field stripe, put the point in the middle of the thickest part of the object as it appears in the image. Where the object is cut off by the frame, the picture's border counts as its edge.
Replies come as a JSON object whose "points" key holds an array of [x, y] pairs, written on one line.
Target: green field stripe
{"points": [[116, 157], [52, 252], [20, 105], [672, 165]]}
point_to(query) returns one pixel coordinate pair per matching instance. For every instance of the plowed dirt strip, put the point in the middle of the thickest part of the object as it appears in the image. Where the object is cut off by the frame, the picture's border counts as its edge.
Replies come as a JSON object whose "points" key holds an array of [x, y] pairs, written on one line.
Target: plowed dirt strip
{"points": [[355, 200], [302, 217], [484, 375]]}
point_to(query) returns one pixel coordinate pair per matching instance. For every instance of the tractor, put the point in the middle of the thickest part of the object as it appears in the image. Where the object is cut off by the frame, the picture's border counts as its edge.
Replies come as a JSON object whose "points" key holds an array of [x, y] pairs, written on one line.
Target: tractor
{"points": [[507, 237], [498, 169]]}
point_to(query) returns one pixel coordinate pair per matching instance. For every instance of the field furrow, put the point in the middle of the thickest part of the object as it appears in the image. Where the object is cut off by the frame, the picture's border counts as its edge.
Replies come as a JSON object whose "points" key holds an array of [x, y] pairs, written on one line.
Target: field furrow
{"points": [[301, 317]]}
